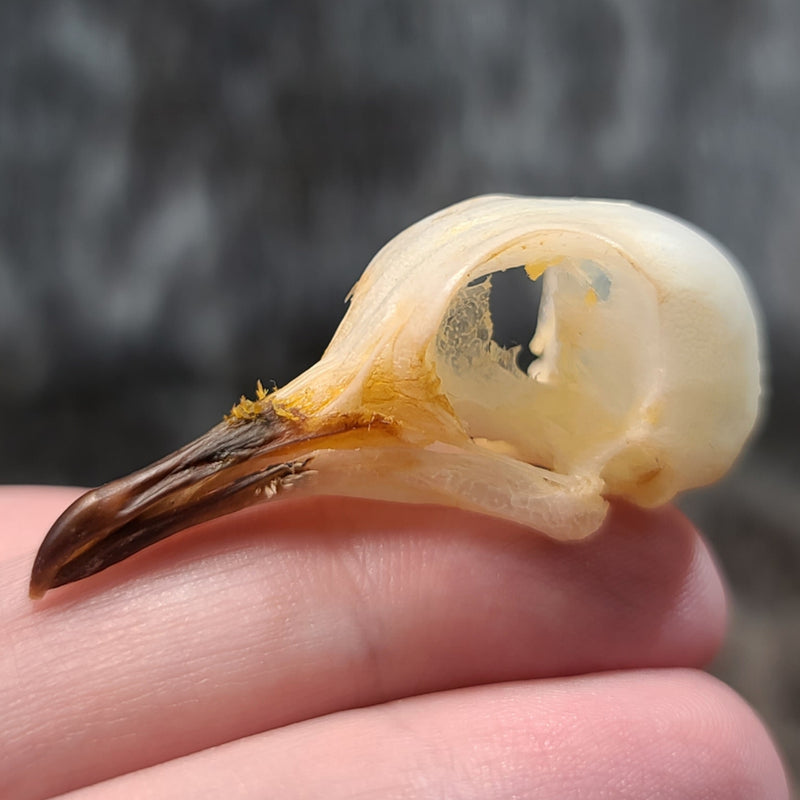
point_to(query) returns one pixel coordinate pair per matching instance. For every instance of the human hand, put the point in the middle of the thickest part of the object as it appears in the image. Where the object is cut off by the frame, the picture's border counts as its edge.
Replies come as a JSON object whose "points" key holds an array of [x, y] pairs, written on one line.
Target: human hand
{"points": [[338, 648]]}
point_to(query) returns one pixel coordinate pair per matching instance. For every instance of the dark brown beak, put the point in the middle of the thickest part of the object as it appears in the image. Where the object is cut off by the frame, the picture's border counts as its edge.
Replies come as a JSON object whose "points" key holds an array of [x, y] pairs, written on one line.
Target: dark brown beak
{"points": [[235, 464]]}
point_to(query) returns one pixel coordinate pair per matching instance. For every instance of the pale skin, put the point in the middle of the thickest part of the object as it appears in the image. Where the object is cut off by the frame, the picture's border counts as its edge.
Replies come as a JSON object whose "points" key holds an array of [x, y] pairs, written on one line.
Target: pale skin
{"points": [[339, 648]]}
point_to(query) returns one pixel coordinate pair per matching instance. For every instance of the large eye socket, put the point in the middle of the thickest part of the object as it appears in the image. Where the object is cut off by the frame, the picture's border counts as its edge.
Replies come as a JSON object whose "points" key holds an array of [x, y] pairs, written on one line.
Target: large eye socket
{"points": [[591, 353]]}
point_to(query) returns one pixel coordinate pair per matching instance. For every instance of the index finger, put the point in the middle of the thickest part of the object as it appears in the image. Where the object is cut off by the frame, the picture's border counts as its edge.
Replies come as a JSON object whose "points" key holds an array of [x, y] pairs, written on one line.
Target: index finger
{"points": [[283, 613]]}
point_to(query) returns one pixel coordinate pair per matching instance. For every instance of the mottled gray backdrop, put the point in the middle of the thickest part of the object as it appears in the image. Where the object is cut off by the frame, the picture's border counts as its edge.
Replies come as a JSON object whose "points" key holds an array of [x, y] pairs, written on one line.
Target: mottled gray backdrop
{"points": [[189, 189]]}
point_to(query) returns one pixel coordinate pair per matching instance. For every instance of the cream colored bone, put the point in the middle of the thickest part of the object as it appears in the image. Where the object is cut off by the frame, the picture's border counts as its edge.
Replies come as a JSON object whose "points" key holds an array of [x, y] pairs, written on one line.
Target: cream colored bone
{"points": [[647, 381]]}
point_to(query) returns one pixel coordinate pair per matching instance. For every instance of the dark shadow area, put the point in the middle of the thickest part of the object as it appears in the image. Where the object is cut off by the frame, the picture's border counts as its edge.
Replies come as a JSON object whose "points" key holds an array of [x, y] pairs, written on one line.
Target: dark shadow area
{"points": [[514, 305]]}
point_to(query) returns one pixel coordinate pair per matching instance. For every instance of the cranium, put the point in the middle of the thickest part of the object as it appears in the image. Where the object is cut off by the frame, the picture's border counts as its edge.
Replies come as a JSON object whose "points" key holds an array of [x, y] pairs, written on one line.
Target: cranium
{"points": [[646, 382]]}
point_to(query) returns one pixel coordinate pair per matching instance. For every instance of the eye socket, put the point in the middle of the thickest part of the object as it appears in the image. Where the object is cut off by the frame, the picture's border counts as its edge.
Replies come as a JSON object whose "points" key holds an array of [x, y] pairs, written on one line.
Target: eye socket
{"points": [[493, 319], [514, 306]]}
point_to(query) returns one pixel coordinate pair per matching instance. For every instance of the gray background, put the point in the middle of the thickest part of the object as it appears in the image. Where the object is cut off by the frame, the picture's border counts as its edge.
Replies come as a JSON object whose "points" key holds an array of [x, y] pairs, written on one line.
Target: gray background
{"points": [[189, 189]]}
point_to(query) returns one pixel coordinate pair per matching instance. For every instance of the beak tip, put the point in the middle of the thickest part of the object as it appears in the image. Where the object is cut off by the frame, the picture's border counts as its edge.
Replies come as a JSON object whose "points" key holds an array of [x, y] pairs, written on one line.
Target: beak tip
{"points": [[41, 579], [36, 591]]}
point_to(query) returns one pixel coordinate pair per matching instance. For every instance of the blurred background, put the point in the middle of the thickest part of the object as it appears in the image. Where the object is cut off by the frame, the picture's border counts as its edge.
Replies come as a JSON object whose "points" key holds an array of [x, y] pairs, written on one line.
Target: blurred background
{"points": [[189, 189]]}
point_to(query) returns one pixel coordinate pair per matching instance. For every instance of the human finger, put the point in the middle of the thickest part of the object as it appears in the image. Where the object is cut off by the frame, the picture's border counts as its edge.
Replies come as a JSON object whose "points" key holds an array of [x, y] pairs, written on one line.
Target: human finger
{"points": [[666, 734], [28, 511], [280, 614]]}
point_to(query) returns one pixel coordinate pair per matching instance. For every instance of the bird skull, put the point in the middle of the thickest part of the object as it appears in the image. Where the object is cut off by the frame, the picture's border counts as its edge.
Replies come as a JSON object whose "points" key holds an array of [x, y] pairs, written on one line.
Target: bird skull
{"points": [[646, 382]]}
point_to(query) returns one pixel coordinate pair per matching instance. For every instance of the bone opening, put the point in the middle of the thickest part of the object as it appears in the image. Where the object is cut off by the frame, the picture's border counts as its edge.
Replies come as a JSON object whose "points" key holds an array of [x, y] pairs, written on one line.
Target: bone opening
{"points": [[594, 351]]}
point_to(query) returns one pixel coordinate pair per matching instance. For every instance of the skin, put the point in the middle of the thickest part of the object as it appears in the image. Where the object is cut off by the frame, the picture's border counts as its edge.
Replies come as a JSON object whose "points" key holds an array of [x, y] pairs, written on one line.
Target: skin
{"points": [[338, 648]]}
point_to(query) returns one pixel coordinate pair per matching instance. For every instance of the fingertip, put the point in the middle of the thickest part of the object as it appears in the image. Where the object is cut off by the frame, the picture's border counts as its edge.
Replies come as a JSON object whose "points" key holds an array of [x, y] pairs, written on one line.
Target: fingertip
{"points": [[658, 583], [735, 751], [700, 610]]}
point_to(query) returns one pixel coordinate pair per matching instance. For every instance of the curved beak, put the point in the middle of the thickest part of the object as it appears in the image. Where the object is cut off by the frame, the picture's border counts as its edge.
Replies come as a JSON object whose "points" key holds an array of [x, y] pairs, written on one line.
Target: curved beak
{"points": [[237, 463]]}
